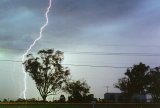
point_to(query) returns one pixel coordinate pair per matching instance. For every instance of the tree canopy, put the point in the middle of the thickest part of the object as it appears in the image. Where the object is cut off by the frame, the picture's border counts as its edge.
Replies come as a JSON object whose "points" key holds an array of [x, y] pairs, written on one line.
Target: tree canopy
{"points": [[153, 87], [47, 72], [134, 81], [77, 89]]}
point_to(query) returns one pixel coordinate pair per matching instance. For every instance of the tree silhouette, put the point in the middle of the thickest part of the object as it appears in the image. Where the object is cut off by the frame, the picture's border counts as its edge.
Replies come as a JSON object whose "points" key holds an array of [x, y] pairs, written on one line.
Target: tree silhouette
{"points": [[78, 90], [135, 80], [62, 99], [47, 72], [153, 87]]}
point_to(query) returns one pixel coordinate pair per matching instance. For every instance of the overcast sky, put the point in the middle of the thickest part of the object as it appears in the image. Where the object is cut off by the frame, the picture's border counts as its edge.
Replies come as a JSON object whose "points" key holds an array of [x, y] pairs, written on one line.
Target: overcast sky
{"points": [[106, 27]]}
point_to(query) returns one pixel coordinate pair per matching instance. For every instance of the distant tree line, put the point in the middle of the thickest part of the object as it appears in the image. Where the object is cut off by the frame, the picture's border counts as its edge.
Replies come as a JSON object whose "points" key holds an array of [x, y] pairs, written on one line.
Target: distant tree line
{"points": [[62, 99]]}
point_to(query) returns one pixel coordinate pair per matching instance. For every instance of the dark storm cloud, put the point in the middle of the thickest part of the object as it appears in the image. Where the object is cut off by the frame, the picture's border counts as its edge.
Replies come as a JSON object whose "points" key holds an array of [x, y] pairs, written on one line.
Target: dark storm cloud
{"points": [[118, 6], [19, 24], [30, 4], [134, 16], [73, 19], [89, 9], [71, 16], [68, 19], [8, 7], [86, 10], [95, 10]]}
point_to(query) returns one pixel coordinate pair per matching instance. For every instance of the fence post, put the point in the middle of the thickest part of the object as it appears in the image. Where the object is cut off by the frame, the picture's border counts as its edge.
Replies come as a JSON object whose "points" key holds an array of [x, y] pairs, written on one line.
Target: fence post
{"points": [[93, 103]]}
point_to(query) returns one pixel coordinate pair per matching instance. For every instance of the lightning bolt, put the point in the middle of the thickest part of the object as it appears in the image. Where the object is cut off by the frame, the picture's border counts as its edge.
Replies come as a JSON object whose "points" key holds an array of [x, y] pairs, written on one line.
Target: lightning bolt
{"points": [[32, 45]]}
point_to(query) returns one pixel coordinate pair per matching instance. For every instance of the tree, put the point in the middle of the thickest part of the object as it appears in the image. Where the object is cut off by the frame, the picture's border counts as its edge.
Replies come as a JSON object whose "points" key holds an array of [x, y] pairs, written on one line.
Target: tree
{"points": [[78, 90], [47, 72], [31, 100], [135, 80], [89, 98], [153, 87], [20, 100], [5, 100]]}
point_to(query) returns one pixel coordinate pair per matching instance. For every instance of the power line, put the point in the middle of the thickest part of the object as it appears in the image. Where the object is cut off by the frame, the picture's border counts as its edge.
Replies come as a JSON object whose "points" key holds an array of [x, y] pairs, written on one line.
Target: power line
{"points": [[99, 44], [10, 61], [76, 65], [102, 53], [101, 66], [118, 54]]}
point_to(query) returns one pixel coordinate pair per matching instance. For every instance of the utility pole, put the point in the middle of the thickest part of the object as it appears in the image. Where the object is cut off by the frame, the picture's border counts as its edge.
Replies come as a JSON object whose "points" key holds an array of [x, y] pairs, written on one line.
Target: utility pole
{"points": [[107, 88]]}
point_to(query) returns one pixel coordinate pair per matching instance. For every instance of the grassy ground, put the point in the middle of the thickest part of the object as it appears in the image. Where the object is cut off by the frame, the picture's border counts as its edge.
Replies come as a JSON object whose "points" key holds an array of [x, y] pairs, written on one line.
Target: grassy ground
{"points": [[79, 106]]}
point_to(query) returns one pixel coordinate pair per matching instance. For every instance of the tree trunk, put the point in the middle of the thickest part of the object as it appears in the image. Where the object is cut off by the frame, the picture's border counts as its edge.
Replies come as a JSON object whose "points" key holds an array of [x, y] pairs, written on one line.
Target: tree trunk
{"points": [[44, 98]]}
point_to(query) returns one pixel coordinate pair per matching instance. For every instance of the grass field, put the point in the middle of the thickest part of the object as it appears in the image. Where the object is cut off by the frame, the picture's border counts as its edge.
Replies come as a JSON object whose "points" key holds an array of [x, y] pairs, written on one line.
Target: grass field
{"points": [[116, 105]]}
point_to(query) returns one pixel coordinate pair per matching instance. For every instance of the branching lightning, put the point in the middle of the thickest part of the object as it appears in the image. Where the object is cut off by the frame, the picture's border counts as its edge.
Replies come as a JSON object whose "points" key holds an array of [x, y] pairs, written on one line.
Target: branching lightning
{"points": [[32, 45]]}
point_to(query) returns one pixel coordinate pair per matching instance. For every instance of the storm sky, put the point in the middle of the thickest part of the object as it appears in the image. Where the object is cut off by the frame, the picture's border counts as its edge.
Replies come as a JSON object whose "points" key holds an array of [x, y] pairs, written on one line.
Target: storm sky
{"points": [[103, 28]]}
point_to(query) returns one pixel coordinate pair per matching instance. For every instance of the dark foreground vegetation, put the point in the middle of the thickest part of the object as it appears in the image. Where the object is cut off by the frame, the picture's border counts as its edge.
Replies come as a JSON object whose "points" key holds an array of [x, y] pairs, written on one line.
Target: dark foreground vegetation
{"points": [[83, 105]]}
